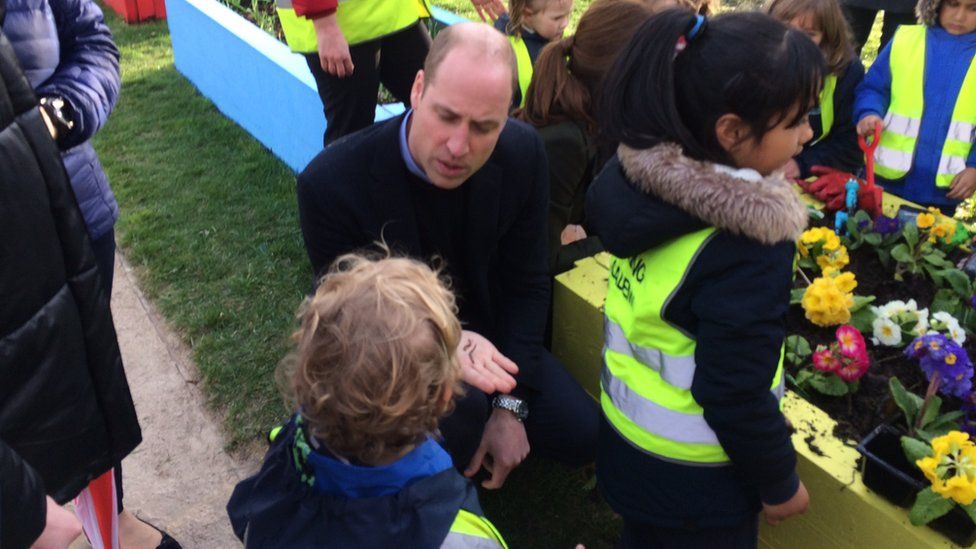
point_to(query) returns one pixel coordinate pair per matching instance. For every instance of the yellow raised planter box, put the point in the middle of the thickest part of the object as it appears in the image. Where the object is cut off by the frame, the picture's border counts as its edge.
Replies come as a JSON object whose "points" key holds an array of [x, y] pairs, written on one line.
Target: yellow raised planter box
{"points": [[843, 512]]}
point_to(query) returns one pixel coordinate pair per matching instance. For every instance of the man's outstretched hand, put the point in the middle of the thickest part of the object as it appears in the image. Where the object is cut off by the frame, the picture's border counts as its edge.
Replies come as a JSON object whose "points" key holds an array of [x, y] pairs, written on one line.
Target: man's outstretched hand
{"points": [[482, 366]]}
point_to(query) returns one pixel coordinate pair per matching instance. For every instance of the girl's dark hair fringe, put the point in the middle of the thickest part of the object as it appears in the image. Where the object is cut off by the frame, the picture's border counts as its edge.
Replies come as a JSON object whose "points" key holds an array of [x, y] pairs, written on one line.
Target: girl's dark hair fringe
{"points": [[743, 63]]}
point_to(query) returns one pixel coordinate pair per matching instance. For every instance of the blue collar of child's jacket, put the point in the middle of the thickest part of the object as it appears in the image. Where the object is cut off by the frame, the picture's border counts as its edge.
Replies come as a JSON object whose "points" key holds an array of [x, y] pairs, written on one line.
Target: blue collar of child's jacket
{"points": [[354, 481]]}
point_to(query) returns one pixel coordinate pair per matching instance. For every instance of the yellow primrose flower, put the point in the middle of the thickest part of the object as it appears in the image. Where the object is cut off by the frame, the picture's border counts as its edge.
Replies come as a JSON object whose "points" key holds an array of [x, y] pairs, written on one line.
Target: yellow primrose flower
{"points": [[827, 301], [952, 468], [925, 220]]}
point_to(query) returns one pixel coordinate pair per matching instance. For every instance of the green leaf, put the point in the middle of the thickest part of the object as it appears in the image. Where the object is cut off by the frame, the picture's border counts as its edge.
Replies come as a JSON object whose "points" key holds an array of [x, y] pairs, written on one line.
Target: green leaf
{"points": [[797, 349], [958, 281], [970, 510], [909, 403], [861, 301], [862, 320], [796, 295], [915, 449], [902, 254], [931, 412], [861, 216], [873, 239], [945, 300], [927, 435], [829, 384], [935, 273], [885, 257], [802, 377], [910, 232], [928, 507]]}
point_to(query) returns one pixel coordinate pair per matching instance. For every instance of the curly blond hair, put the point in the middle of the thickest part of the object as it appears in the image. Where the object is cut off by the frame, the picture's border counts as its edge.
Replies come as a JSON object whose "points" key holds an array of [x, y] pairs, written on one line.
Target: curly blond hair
{"points": [[374, 357]]}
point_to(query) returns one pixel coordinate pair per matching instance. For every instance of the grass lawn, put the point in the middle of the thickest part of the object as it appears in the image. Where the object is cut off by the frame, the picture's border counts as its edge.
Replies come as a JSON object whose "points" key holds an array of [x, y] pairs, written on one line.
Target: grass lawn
{"points": [[209, 219]]}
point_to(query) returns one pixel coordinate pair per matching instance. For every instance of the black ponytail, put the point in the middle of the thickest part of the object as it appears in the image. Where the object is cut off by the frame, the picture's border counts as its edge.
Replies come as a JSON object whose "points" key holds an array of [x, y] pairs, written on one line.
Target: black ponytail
{"points": [[680, 74]]}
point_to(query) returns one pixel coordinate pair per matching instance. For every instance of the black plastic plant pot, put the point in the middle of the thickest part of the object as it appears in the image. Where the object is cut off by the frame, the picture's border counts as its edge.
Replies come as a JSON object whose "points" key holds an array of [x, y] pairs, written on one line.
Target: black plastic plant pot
{"points": [[886, 471]]}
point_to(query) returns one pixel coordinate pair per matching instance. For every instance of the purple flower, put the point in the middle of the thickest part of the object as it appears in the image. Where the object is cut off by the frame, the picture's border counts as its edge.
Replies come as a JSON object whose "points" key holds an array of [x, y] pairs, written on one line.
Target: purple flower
{"points": [[940, 356], [885, 225], [972, 302]]}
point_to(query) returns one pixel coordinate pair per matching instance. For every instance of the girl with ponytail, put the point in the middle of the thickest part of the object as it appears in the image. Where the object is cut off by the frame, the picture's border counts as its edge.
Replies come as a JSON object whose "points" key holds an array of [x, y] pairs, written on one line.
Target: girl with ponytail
{"points": [[560, 104], [701, 225]]}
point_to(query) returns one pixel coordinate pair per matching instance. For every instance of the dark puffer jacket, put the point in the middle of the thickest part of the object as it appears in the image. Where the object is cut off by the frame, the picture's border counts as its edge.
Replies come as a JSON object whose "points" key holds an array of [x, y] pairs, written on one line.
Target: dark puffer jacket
{"points": [[65, 49], [65, 405]]}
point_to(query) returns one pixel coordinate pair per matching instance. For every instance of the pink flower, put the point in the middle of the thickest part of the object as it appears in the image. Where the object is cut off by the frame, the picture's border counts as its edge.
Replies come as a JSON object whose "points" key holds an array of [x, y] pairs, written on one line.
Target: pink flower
{"points": [[853, 369], [825, 360], [851, 342]]}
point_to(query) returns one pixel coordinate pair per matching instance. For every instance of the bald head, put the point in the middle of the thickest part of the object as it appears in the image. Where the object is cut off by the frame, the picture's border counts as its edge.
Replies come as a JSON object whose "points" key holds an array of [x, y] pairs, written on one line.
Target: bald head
{"points": [[478, 42]]}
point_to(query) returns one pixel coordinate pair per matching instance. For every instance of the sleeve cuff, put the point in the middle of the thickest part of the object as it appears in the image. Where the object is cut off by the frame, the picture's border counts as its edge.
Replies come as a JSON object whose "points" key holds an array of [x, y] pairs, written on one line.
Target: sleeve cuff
{"points": [[320, 14], [780, 492]]}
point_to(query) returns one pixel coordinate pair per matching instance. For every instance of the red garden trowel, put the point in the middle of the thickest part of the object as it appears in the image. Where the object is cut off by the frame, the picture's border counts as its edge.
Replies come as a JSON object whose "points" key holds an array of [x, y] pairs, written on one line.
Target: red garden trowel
{"points": [[830, 185]]}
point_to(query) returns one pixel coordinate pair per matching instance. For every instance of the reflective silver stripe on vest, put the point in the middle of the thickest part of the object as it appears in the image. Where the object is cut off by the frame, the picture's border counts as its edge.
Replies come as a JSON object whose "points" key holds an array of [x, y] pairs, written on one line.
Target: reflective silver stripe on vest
{"points": [[896, 160], [678, 371], [779, 391], [654, 418], [951, 165], [457, 540], [903, 125], [284, 4], [962, 131]]}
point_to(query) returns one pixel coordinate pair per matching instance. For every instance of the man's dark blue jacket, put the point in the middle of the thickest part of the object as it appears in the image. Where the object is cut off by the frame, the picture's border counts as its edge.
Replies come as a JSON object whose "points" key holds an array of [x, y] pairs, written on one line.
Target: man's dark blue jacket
{"points": [[357, 192]]}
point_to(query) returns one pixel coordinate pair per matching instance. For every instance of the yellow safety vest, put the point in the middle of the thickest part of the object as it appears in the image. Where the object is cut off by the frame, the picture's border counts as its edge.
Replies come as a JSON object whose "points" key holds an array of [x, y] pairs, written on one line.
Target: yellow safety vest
{"points": [[896, 152], [524, 64], [649, 364], [470, 531], [827, 106], [359, 20]]}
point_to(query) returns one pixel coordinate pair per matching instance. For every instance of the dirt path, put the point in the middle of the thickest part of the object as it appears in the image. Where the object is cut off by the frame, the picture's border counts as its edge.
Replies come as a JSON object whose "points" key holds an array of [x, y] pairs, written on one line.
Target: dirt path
{"points": [[179, 478]]}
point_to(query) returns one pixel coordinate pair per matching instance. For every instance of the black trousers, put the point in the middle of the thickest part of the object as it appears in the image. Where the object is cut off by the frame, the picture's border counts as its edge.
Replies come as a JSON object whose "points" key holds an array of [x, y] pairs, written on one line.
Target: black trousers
{"points": [[862, 19], [350, 102], [644, 536], [563, 420]]}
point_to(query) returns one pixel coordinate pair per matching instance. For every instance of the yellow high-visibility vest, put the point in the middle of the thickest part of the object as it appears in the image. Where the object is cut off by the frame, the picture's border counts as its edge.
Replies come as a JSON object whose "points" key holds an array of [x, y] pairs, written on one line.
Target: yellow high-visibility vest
{"points": [[359, 20], [649, 364], [896, 151]]}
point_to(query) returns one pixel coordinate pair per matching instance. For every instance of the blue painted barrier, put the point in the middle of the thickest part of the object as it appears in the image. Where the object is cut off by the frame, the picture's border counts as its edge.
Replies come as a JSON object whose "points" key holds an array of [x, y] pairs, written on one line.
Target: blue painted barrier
{"points": [[254, 79]]}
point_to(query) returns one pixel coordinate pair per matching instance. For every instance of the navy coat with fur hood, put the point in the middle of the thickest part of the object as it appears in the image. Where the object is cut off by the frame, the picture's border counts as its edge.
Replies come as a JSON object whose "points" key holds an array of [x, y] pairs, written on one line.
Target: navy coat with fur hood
{"points": [[734, 301], [66, 50]]}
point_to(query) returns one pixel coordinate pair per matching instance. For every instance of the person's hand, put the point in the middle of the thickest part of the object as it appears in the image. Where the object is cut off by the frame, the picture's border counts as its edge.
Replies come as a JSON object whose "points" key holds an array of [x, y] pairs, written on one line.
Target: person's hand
{"points": [[51, 128], [504, 445], [332, 46], [866, 126], [62, 528], [482, 366], [963, 185], [492, 8], [791, 170], [796, 505]]}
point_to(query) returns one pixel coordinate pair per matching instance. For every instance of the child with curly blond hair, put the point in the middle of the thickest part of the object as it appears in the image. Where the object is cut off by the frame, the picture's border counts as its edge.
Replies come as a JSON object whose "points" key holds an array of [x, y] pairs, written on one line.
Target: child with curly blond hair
{"points": [[372, 372]]}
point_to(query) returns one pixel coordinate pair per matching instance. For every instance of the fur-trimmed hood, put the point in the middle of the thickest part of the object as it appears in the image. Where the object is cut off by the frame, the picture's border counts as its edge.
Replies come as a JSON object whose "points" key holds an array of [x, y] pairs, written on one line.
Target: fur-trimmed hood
{"points": [[927, 12], [768, 210]]}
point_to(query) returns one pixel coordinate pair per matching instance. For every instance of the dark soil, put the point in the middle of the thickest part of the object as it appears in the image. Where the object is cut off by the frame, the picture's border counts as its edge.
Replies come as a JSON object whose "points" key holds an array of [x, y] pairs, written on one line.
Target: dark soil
{"points": [[871, 405]]}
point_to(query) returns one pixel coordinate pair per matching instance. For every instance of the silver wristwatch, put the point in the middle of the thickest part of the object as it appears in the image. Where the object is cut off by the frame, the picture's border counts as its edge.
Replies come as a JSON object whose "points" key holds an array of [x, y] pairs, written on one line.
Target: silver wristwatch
{"points": [[515, 405]]}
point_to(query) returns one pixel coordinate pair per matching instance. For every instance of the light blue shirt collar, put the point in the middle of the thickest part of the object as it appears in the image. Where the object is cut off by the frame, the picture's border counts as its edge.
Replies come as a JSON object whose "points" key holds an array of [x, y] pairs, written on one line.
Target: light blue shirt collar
{"points": [[405, 150]]}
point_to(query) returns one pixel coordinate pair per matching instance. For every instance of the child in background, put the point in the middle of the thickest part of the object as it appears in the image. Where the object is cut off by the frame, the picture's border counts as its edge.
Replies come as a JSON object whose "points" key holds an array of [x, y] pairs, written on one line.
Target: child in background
{"points": [[923, 85], [560, 104], [702, 229], [530, 25], [373, 370], [834, 143]]}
